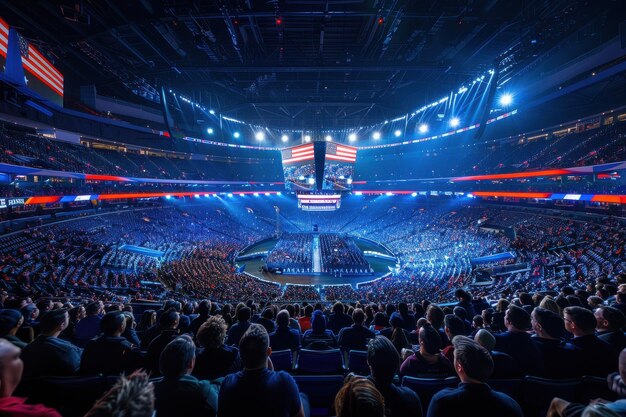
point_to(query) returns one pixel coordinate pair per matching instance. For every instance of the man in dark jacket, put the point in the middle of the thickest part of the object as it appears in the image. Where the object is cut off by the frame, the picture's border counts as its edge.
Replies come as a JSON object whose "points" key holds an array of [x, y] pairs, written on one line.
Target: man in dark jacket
{"points": [[168, 322], [356, 336], [338, 319], [179, 393], [49, 355], [594, 356], [284, 337], [517, 343], [110, 353], [609, 324]]}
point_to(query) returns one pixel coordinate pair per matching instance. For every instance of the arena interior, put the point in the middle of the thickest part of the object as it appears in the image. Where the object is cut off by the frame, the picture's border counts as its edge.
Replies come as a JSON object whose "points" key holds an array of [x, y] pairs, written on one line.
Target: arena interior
{"points": [[313, 208]]}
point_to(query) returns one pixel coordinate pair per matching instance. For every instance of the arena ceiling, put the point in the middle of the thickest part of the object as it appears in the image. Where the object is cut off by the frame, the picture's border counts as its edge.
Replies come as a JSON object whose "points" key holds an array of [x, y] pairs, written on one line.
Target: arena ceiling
{"points": [[293, 63]]}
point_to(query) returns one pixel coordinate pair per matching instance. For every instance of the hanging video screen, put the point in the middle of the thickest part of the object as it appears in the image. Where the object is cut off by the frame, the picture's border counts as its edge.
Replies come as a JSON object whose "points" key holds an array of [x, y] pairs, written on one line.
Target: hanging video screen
{"points": [[299, 167], [338, 167]]}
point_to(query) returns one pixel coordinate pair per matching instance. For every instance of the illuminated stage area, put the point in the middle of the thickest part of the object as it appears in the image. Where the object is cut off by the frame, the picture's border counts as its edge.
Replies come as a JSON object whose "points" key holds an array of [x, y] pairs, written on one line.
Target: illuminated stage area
{"points": [[317, 259]]}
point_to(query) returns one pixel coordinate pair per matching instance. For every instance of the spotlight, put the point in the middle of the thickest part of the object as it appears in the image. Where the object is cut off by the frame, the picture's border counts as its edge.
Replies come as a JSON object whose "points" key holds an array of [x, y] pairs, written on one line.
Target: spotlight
{"points": [[259, 136], [236, 135], [376, 135], [279, 193], [212, 111], [388, 194], [279, 21], [267, 193], [328, 138], [206, 195], [167, 197], [423, 128], [358, 193], [230, 194], [197, 195], [506, 99], [209, 131], [256, 194], [352, 137], [397, 133], [413, 194], [307, 138], [284, 138], [454, 122]]}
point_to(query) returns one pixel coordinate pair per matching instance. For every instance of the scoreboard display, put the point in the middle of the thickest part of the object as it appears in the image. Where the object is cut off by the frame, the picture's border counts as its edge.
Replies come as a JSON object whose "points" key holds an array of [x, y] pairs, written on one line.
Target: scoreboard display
{"points": [[319, 202]]}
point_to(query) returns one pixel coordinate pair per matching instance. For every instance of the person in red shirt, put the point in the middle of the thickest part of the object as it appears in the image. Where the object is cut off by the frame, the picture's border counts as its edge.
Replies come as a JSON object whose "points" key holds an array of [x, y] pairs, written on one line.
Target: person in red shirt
{"points": [[11, 367]]}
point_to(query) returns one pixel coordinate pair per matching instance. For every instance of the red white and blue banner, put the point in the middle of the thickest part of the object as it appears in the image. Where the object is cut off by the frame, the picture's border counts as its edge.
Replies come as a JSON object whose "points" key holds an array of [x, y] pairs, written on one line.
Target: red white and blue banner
{"points": [[298, 154]]}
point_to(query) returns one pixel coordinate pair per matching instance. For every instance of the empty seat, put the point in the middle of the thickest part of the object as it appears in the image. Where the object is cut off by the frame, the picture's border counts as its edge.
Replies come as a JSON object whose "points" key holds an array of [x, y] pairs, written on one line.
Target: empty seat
{"points": [[357, 362], [511, 387], [320, 362], [282, 360], [537, 393], [72, 396], [425, 388], [321, 391], [592, 387]]}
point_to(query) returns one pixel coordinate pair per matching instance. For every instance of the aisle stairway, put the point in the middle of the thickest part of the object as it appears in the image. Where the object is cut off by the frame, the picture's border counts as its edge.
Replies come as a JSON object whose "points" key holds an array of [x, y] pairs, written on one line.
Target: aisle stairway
{"points": [[317, 254]]}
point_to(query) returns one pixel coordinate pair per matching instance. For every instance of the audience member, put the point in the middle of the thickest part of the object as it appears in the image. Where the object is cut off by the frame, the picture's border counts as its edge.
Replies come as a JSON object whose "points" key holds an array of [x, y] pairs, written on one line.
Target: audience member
{"points": [[258, 390], [517, 343], [179, 393], [356, 336], [215, 359], [359, 398], [284, 337], [473, 397], [131, 396]]}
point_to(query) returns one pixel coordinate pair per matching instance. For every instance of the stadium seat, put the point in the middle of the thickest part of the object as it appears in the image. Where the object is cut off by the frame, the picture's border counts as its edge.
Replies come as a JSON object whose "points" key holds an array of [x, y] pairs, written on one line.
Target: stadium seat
{"points": [[511, 387], [71, 396], [537, 393], [592, 387], [357, 362], [282, 360], [320, 362], [321, 391], [425, 388]]}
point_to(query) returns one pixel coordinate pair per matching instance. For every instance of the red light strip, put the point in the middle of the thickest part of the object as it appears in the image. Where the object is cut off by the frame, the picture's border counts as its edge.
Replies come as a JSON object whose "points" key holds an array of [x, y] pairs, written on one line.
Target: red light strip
{"points": [[510, 194], [513, 175]]}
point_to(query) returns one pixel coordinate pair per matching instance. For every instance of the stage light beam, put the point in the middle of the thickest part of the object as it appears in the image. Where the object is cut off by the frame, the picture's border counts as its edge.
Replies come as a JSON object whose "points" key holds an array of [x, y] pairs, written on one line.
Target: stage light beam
{"points": [[423, 128], [376, 136], [506, 99], [455, 122]]}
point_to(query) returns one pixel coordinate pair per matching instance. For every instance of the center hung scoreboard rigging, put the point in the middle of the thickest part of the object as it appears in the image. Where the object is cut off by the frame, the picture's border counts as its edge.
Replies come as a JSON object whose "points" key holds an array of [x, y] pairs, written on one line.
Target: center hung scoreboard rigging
{"points": [[318, 172]]}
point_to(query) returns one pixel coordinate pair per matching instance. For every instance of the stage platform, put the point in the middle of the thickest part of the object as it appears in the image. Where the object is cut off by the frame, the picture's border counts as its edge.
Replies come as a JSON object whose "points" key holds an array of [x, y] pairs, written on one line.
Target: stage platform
{"points": [[378, 256]]}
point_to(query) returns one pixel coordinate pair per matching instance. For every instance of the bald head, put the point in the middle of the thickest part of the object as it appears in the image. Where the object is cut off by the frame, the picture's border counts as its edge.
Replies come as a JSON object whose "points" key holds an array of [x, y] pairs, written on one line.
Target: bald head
{"points": [[11, 367]]}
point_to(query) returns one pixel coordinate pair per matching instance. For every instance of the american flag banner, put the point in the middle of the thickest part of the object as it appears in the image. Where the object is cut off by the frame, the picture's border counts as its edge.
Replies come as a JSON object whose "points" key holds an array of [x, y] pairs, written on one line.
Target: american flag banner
{"points": [[338, 152], [298, 154], [38, 66], [4, 37]]}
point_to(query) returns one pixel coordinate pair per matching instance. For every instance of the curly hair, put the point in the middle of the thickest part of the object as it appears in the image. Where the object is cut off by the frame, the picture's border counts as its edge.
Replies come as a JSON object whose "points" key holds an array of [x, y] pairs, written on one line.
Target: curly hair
{"points": [[212, 332], [131, 396]]}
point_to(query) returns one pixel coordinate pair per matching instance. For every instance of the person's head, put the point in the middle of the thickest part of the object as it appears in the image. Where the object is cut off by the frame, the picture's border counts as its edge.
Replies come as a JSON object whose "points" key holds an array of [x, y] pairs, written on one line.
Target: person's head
{"points": [[318, 322], [609, 319], [54, 322], [380, 319], [282, 318], [516, 319], [10, 321], [359, 398], [460, 312], [579, 321], [178, 357], [462, 295], [268, 313], [113, 323], [254, 347], [204, 308], [435, 315], [244, 314], [477, 322], [148, 319], [308, 310], [622, 365], [453, 325], [620, 295], [358, 316], [212, 332], [94, 308], [502, 305], [429, 339], [550, 304], [395, 320], [11, 368], [472, 362], [594, 301], [338, 308], [169, 319], [383, 359], [403, 309], [546, 323], [131, 396], [484, 338]]}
